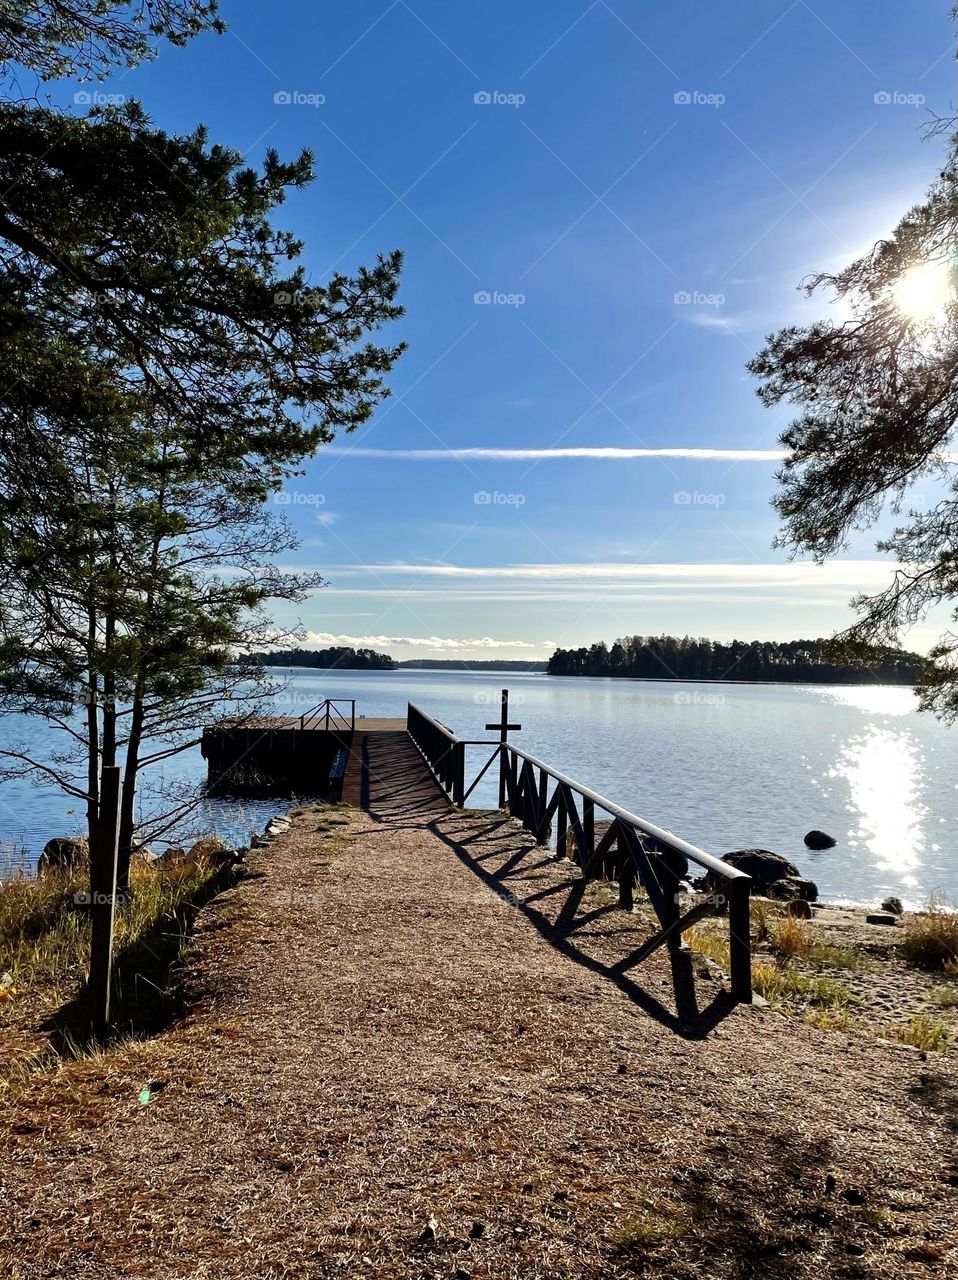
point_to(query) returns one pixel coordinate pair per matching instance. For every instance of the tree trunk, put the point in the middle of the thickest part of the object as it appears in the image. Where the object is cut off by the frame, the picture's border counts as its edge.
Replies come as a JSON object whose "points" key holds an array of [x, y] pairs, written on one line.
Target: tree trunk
{"points": [[128, 793]]}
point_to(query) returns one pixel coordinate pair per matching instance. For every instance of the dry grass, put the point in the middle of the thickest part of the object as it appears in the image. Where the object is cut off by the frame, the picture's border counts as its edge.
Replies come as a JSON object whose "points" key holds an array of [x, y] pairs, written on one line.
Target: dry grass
{"points": [[709, 944], [791, 936], [930, 939], [830, 1018], [651, 1226], [923, 1032], [785, 987], [45, 937], [831, 956], [790, 990]]}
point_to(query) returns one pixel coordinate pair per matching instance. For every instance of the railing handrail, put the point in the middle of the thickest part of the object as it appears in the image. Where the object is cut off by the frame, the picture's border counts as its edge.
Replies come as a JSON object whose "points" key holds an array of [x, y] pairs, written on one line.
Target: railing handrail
{"points": [[436, 724], [661, 868], [659, 834]]}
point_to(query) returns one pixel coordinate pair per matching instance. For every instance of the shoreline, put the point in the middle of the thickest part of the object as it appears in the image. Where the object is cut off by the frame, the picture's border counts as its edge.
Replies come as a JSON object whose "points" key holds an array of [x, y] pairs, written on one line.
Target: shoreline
{"points": [[479, 671]]}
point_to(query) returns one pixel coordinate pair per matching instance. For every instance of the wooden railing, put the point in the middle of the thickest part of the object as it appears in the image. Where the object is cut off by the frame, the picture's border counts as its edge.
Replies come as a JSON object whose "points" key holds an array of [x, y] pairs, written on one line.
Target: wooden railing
{"points": [[630, 850], [328, 715]]}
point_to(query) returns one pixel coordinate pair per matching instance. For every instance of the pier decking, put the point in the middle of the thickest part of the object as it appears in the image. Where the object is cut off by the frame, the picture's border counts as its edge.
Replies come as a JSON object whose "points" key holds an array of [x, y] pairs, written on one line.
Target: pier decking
{"points": [[288, 748]]}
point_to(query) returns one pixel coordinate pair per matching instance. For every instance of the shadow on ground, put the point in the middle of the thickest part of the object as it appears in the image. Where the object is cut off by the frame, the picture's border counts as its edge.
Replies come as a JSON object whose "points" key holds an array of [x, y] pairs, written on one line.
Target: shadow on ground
{"points": [[689, 1019], [146, 997]]}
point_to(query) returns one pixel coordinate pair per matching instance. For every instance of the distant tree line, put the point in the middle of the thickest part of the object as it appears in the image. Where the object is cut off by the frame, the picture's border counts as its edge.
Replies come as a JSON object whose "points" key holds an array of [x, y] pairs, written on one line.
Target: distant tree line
{"points": [[470, 664], [687, 658], [336, 656]]}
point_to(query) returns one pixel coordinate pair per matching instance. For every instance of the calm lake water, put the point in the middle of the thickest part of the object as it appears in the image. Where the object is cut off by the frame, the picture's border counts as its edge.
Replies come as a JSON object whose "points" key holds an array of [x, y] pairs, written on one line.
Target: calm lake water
{"points": [[724, 766]]}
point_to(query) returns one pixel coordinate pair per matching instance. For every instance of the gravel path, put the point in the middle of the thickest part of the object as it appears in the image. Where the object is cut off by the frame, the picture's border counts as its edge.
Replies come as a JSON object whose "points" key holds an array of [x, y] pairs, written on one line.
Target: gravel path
{"points": [[392, 1065]]}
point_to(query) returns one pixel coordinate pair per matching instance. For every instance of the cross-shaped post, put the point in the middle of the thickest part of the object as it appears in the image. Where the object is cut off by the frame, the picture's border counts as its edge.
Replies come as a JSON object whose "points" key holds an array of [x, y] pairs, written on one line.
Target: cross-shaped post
{"points": [[503, 726]]}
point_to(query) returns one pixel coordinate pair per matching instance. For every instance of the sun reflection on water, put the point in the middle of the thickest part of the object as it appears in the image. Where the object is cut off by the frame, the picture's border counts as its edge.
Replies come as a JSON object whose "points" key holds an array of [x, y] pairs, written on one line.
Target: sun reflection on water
{"points": [[876, 699], [883, 770]]}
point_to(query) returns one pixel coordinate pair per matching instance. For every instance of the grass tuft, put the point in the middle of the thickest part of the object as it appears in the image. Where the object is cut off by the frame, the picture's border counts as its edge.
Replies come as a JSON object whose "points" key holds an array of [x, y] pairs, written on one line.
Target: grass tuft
{"points": [[648, 1228], [923, 1032], [784, 987], [930, 939], [791, 936]]}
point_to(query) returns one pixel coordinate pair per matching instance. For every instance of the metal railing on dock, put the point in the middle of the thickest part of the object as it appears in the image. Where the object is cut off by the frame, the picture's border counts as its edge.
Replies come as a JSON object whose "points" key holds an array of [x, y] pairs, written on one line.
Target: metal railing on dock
{"points": [[328, 715], [629, 850]]}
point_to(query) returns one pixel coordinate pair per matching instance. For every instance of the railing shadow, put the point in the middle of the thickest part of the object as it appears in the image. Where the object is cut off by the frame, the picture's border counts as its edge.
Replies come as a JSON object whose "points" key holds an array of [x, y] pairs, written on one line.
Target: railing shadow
{"points": [[688, 1020]]}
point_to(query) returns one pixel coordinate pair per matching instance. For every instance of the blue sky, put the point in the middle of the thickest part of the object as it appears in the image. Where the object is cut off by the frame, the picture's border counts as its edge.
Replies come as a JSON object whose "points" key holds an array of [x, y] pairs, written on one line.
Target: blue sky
{"points": [[604, 207]]}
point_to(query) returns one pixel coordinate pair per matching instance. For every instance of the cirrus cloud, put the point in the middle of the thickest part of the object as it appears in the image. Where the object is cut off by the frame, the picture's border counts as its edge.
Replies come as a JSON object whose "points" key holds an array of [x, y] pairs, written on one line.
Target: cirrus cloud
{"points": [[433, 644]]}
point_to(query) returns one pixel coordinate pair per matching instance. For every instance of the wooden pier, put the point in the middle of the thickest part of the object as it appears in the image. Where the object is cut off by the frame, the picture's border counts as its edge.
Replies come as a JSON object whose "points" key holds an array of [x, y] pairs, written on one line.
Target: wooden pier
{"points": [[328, 751], [311, 752]]}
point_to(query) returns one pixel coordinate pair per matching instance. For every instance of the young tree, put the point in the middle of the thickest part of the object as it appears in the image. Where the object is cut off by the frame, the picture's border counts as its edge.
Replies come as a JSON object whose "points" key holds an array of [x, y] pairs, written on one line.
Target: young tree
{"points": [[878, 396], [129, 596], [167, 368]]}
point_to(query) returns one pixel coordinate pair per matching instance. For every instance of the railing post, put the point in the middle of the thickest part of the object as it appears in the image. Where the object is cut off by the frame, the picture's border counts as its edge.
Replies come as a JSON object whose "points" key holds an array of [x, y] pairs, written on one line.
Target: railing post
{"points": [[625, 869], [740, 938], [562, 825], [588, 831], [103, 859], [542, 832], [459, 775], [672, 911], [503, 736]]}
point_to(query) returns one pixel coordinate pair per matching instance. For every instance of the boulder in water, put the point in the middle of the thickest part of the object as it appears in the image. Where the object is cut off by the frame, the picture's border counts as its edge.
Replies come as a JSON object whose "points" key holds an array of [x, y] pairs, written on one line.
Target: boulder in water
{"points": [[819, 840]]}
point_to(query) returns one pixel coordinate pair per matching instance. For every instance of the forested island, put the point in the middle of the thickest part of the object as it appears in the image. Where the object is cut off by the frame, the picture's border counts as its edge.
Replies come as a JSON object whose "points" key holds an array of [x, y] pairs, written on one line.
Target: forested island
{"points": [[342, 656], [688, 658]]}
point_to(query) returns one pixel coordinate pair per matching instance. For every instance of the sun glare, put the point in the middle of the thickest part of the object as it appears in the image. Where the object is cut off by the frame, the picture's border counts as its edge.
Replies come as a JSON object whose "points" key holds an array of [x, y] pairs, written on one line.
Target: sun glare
{"points": [[923, 291]]}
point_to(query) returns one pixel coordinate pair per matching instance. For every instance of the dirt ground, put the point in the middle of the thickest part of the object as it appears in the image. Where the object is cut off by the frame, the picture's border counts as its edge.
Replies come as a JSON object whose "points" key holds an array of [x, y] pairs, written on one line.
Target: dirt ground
{"points": [[407, 1052]]}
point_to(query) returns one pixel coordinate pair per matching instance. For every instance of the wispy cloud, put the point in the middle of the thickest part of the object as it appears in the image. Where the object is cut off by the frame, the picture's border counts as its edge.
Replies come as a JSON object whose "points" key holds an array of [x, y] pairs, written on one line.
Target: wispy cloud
{"points": [[434, 644], [599, 453], [843, 573], [705, 320]]}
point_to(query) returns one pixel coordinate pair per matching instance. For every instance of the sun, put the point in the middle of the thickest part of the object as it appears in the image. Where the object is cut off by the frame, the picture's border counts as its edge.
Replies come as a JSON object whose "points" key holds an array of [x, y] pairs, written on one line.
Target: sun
{"points": [[923, 291]]}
